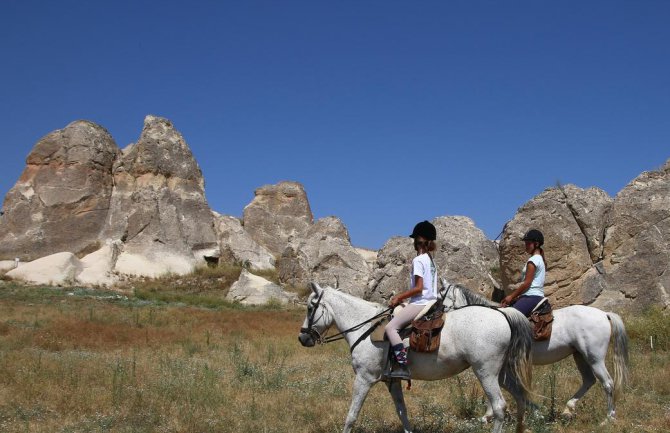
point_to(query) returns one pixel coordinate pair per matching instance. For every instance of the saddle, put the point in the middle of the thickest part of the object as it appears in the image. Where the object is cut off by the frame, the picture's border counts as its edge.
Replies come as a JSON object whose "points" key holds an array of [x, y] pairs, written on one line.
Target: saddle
{"points": [[423, 332], [541, 318]]}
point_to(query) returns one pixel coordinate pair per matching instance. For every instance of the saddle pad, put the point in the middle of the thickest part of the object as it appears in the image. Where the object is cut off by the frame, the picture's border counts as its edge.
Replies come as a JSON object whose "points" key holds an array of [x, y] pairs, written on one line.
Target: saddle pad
{"points": [[378, 333]]}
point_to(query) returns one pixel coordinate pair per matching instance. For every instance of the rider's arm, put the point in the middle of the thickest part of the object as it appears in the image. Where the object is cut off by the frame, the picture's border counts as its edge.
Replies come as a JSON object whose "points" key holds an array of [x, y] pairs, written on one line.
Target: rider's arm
{"points": [[416, 290], [520, 288]]}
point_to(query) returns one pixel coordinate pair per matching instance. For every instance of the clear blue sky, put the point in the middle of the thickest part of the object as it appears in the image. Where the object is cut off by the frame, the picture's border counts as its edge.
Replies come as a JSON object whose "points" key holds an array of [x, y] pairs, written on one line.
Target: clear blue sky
{"points": [[389, 112]]}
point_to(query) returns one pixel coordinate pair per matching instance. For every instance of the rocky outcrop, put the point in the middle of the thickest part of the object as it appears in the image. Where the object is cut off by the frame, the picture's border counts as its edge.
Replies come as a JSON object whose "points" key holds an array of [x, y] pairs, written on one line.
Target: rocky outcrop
{"points": [[7, 265], [609, 253], [325, 256], [251, 289], [158, 207], [464, 256], [54, 270], [278, 215], [392, 270], [236, 246], [98, 268], [566, 250], [61, 200], [637, 243]]}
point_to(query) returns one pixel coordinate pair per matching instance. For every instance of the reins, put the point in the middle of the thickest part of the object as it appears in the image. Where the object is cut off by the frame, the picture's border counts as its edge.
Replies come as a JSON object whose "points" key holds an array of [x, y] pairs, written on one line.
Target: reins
{"points": [[340, 335]]}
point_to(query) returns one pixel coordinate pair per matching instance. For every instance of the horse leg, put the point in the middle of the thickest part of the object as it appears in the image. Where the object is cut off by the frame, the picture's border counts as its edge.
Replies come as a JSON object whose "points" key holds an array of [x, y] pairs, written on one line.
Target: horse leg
{"points": [[360, 392], [395, 388], [488, 416], [600, 370], [588, 379], [496, 400]]}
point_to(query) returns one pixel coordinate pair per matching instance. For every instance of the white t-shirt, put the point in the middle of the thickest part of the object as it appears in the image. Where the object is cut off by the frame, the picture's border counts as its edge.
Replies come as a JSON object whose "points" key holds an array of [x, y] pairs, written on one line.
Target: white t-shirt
{"points": [[537, 285], [424, 267]]}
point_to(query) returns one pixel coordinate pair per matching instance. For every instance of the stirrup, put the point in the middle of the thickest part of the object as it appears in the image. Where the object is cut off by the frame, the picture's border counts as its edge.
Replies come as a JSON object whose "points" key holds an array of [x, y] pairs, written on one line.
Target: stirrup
{"points": [[399, 371]]}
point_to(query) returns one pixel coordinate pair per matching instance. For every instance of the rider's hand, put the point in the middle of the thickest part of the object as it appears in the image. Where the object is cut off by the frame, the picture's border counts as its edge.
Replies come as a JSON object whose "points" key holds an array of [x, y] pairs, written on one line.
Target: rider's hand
{"points": [[395, 301], [507, 300]]}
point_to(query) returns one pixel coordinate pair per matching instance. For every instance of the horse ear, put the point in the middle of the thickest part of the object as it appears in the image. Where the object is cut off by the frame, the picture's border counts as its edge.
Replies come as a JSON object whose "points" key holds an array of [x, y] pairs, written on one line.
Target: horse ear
{"points": [[316, 288]]}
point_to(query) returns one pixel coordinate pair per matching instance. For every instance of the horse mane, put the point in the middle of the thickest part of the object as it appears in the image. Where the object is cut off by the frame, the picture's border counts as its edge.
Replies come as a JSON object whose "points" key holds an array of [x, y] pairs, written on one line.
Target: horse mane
{"points": [[472, 298]]}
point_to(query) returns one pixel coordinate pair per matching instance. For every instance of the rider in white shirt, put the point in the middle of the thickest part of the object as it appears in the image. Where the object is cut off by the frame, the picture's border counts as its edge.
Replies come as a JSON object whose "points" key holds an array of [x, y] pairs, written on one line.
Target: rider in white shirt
{"points": [[423, 289]]}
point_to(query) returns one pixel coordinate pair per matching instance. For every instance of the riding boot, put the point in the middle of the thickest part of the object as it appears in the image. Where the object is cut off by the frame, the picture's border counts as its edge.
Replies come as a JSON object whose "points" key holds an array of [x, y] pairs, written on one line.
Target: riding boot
{"points": [[400, 370]]}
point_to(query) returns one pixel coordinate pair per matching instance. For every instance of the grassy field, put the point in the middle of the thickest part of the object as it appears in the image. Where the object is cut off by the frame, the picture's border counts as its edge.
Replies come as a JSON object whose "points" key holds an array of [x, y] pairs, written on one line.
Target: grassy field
{"points": [[77, 360]]}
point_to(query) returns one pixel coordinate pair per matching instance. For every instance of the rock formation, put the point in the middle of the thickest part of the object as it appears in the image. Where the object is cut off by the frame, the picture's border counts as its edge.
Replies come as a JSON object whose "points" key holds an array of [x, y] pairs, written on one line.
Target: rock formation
{"points": [[464, 256], [55, 270], [325, 256], [566, 249], [609, 253], [158, 207], [278, 215], [251, 289], [637, 243], [61, 200], [85, 212], [98, 268], [236, 246]]}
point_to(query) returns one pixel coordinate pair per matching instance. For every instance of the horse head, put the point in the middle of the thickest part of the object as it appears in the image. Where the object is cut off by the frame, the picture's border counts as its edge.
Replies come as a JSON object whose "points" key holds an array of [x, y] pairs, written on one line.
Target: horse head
{"points": [[318, 318]]}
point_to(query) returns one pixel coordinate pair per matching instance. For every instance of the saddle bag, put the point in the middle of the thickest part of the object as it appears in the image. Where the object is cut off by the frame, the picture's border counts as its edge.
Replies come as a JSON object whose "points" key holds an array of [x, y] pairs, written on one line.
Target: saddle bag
{"points": [[425, 335], [541, 318]]}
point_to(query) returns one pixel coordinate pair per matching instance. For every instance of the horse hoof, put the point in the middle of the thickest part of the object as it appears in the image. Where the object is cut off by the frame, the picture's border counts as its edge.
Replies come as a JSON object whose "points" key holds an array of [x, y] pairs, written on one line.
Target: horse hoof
{"points": [[567, 415], [609, 420], [486, 419]]}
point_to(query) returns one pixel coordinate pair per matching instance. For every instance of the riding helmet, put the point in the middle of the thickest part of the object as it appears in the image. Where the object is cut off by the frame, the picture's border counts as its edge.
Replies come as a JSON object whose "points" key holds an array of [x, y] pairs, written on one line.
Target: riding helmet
{"points": [[534, 236], [424, 229]]}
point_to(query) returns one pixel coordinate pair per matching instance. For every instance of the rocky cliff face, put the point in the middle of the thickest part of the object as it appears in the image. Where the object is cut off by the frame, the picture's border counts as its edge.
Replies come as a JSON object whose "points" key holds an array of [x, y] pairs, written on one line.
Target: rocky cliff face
{"points": [[278, 215], [464, 256], [637, 243], [95, 213], [61, 201], [158, 207], [280, 219], [237, 246], [610, 253], [325, 256]]}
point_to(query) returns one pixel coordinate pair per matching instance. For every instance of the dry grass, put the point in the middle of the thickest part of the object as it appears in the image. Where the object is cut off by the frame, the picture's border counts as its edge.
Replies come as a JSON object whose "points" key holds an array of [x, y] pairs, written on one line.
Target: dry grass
{"points": [[98, 362]]}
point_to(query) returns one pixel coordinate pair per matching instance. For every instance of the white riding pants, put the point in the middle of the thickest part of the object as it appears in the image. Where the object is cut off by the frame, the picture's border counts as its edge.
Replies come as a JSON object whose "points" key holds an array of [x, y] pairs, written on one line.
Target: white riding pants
{"points": [[400, 320]]}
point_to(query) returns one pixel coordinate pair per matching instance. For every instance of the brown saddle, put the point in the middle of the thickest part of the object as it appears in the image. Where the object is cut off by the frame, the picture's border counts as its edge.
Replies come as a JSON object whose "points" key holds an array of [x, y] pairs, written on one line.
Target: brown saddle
{"points": [[423, 332], [542, 318]]}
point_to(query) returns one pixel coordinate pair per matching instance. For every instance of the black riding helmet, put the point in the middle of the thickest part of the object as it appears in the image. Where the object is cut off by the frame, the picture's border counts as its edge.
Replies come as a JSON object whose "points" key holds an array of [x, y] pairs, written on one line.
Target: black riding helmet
{"points": [[534, 236], [424, 229]]}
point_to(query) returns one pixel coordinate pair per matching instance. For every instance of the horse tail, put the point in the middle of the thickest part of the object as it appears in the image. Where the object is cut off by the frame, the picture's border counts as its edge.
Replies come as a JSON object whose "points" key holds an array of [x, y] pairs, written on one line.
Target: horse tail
{"points": [[620, 340], [518, 360]]}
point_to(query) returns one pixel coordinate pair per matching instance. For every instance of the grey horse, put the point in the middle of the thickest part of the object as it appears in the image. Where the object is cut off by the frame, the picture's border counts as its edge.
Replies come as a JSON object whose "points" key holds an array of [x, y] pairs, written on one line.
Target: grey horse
{"points": [[496, 344], [578, 330]]}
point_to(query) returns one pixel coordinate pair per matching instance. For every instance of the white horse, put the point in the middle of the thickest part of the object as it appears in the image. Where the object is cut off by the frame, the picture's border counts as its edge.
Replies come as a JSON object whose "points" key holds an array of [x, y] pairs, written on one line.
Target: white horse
{"points": [[495, 345], [581, 331]]}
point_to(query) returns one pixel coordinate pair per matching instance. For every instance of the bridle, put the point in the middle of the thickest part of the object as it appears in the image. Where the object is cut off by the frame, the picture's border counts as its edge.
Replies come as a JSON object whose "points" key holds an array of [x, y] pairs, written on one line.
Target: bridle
{"points": [[320, 339], [451, 295], [310, 330]]}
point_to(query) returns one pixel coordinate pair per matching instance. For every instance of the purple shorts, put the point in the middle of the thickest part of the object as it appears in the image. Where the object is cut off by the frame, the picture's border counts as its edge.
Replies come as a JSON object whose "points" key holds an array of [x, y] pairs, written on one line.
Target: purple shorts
{"points": [[525, 304]]}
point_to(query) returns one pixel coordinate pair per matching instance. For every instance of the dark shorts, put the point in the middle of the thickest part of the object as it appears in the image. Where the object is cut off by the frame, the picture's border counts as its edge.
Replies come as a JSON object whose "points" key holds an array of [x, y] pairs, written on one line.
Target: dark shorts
{"points": [[525, 304]]}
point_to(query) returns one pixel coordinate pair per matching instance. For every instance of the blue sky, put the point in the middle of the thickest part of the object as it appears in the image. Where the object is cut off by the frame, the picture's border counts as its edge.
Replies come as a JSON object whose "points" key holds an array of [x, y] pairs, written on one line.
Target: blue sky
{"points": [[389, 112]]}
